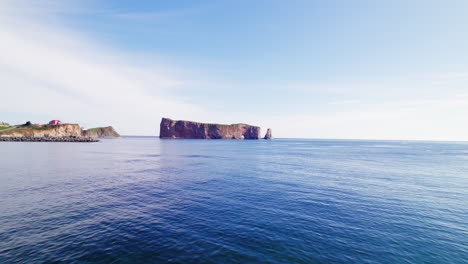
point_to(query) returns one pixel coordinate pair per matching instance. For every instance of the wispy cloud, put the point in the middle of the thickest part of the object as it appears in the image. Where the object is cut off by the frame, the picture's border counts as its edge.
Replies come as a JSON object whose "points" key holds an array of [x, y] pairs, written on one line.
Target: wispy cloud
{"points": [[344, 102], [60, 73]]}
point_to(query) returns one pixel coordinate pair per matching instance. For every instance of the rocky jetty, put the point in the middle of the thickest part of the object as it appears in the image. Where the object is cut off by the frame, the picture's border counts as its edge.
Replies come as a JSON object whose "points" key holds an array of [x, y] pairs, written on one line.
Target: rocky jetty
{"points": [[49, 139], [187, 129], [101, 132], [268, 134]]}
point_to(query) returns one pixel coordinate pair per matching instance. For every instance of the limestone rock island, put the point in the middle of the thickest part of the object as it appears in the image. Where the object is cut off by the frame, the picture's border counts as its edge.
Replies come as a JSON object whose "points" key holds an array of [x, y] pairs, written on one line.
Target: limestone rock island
{"points": [[187, 129]]}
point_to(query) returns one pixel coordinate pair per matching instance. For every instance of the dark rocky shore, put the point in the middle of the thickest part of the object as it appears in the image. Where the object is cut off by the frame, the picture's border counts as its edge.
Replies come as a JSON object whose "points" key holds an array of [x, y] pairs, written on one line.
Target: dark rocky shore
{"points": [[49, 139]]}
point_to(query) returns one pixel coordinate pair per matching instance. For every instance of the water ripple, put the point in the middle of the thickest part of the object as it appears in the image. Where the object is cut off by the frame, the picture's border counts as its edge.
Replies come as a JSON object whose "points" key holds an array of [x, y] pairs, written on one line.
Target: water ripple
{"points": [[282, 201]]}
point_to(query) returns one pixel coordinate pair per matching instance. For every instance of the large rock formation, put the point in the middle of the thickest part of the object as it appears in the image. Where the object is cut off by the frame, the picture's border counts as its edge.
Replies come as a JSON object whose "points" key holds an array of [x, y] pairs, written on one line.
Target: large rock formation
{"points": [[268, 134], [101, 132], [187, 129]]}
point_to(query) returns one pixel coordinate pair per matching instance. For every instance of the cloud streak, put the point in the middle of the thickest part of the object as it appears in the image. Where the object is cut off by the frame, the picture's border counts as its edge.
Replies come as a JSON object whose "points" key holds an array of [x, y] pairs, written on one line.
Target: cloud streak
{"points": [[145, 16]]}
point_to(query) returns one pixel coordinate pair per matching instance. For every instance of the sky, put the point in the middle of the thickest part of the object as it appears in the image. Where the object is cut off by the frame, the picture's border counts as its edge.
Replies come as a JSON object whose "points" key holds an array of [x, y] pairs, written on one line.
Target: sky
{"points": [[305, 69]]}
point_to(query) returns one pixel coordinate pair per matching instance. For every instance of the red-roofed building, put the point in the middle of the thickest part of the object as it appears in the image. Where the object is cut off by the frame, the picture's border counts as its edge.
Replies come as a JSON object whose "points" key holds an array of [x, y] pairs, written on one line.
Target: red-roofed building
{"points": [[55, 122]]}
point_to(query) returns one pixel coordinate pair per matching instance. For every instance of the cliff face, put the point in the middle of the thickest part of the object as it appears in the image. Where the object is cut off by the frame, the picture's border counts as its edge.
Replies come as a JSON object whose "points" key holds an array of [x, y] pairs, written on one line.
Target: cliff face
{"points": [[66, 130], [101, 132], [187, 129], [55, 131]]}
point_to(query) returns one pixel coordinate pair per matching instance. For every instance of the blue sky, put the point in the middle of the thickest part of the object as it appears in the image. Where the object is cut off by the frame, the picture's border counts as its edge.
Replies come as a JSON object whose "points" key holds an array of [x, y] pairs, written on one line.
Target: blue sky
{"points": [[311, 69]]}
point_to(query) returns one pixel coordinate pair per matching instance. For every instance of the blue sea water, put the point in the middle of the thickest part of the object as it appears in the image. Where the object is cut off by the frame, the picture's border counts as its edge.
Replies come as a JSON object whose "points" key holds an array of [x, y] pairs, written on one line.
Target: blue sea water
{"points": [[146, 200]]}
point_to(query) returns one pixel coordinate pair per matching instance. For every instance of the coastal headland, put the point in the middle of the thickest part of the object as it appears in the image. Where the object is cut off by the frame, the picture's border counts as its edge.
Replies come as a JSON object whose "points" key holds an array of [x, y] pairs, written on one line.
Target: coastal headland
{"points": [[55, 133], [195, 130], [101, 132]]}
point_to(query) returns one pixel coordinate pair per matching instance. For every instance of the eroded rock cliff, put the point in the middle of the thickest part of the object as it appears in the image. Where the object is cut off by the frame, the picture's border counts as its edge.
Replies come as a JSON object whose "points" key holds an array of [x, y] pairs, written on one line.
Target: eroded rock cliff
{"points": [[65, 130], [187, 129], [101, 132], [58, 131]]}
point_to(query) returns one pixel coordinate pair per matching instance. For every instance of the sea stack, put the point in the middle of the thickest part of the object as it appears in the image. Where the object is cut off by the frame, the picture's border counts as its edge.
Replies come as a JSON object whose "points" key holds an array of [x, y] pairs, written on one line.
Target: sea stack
{"points": [[268, 134], [187, 129]]}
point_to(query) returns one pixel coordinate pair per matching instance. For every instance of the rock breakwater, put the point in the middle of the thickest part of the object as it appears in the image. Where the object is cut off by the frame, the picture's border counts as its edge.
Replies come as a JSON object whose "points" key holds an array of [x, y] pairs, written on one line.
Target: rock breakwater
{"points": [[49, 139]]}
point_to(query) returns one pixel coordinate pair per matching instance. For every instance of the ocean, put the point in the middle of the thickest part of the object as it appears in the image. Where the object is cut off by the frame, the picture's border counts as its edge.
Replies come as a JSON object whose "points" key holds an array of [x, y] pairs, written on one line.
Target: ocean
{"points": [[146, 200]]}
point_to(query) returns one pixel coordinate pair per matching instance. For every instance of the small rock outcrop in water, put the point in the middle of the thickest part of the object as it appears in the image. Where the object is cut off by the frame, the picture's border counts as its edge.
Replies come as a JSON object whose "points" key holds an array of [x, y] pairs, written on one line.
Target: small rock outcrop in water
{"points": [[187, 129], [101, 132], [268, 134]]}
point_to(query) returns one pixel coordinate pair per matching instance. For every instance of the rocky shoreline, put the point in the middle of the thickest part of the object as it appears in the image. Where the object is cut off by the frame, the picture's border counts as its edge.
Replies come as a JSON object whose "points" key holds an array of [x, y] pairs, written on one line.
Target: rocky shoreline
{"points": [[49, 139]]}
